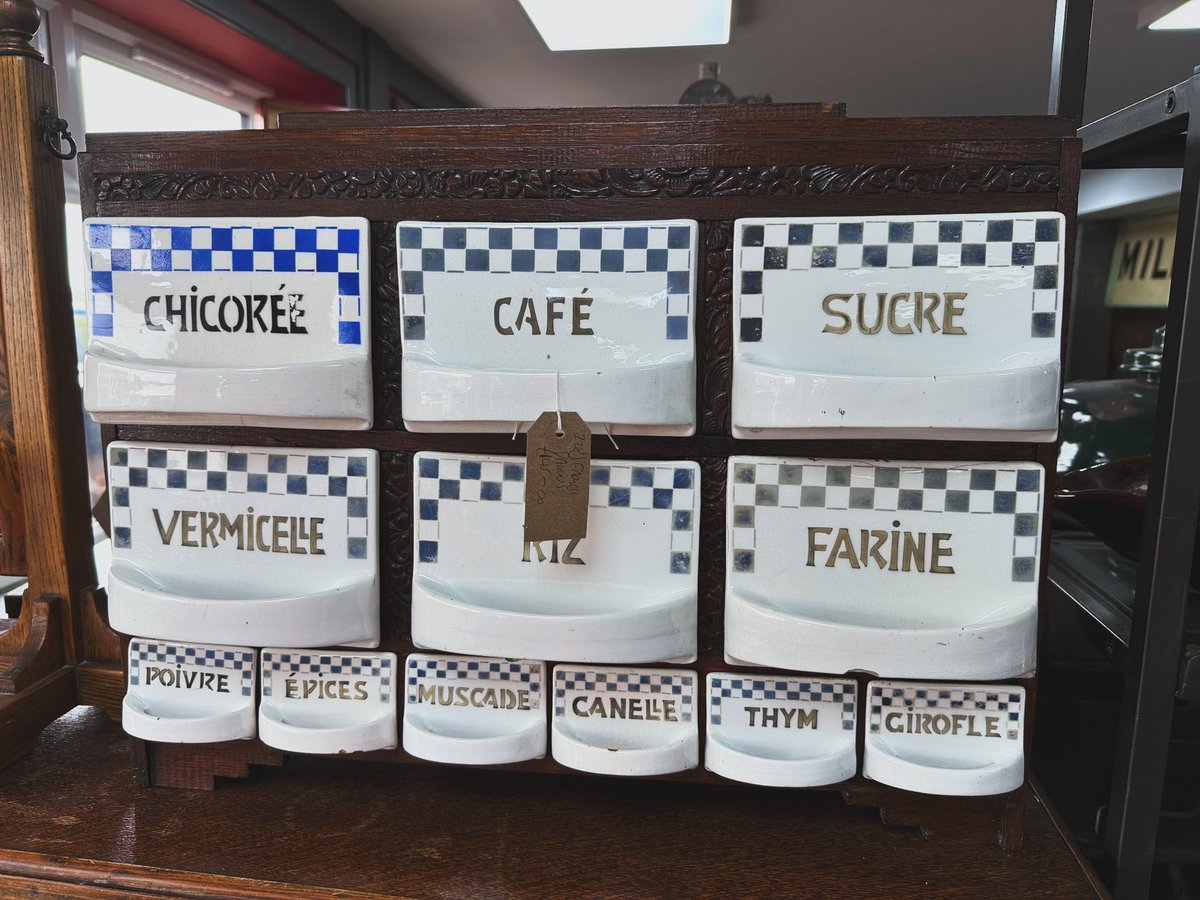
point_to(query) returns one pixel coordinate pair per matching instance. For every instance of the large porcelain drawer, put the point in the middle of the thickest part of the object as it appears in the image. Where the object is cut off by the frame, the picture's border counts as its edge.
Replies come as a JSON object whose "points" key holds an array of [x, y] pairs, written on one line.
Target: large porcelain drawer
{"points": [[904, 569], [502, 321], [235, 321], [244, 544], [898, 326], [625, 593]]}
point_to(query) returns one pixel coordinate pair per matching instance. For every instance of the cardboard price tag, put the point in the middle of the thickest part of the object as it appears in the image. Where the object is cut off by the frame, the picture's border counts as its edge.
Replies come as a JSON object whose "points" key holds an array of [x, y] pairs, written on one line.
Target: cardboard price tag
{"points": [[558, 473]]}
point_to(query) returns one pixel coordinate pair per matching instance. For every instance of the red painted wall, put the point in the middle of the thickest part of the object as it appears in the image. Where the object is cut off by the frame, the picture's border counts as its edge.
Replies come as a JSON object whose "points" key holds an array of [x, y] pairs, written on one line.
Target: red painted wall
{"points": [[211, 38]]}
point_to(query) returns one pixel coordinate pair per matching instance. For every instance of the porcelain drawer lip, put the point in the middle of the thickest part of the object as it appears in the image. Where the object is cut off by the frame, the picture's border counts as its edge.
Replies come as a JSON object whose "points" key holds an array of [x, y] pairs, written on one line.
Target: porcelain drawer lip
{"points": [[664, 626], [761, 633], [951, 407], [307, 736], [497, 401], [938, 745], [334, 394], [141, 604], [596, 753], [751, 766], [434, 740], [945, 775], [153, 721]]}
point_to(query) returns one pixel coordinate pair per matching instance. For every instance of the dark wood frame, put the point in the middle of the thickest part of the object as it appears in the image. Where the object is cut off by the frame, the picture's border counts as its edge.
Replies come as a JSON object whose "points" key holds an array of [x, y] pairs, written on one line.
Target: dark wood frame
{"points": [[712, 164]]}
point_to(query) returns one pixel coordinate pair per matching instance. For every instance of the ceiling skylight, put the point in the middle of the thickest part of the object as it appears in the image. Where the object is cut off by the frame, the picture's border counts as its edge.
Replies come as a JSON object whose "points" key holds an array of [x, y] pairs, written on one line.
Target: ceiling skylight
{"points": [[619, 24]]}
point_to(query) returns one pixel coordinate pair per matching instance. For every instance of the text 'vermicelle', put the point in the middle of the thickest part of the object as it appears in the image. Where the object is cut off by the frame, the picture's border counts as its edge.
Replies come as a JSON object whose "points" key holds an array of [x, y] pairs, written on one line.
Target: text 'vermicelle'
{"points": [[252, 532]]}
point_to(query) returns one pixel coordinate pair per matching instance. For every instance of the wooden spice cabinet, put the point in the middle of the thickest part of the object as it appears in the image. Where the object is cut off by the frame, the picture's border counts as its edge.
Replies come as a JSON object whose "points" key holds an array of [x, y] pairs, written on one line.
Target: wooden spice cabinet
{"points": [[711, 164], [714, 164]]}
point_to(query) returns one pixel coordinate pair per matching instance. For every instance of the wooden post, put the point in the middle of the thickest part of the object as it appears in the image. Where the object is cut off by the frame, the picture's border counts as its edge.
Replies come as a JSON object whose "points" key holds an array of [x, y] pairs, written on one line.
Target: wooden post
{"points": [[41, 417]]}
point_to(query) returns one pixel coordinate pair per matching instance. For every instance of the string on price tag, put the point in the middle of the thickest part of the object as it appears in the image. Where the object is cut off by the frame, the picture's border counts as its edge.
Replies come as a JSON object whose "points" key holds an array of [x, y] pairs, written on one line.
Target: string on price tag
{"points": [[558, 475]]}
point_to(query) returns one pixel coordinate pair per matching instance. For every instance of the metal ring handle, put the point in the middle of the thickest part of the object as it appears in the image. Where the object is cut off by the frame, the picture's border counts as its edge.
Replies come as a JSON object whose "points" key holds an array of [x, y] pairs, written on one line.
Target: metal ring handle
{"points": [[54, 133]]}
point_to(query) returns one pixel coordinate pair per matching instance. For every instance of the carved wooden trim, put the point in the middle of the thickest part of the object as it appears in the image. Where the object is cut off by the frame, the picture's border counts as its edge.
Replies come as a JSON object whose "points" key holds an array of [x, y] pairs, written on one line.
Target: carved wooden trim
{"points": [[33, 647], [576, 184], [714, 351]]}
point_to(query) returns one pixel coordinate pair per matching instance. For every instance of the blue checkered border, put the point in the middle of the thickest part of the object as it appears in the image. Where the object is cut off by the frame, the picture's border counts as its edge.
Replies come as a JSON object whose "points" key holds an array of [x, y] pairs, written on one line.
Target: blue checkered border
{"points": [[666, 487], [465, 668], [1026, 241], [151, 247], [241, 661], [626, 681], [318, 663], [919, 697], [1012, 491], [547, 249], [746, 687], [240, 472]]}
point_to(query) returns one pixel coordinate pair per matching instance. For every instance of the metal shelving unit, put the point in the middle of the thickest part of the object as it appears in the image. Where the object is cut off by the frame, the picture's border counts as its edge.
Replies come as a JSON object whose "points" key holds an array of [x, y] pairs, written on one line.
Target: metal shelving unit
{"points": [[1158, 131]]}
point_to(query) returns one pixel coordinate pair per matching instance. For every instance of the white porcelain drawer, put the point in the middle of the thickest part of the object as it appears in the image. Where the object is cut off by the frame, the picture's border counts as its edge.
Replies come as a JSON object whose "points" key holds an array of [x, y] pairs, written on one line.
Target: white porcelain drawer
{"points": [[898, 326], [244, 544], [625, 593], [189, 693], [958, 739], [781, 730], [327, 701], [474, 710], [618, 721], [503, 320], [904, 569], [238, 321]]}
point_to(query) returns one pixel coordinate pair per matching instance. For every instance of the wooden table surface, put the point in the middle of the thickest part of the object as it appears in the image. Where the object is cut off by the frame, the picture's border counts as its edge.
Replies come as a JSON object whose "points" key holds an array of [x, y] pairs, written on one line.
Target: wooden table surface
{"points": [[73, 824]]}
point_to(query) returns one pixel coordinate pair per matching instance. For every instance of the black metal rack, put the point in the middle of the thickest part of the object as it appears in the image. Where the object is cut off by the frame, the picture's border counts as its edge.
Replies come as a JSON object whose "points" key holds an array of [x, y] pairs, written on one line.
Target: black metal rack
{"points": [[1159, 131]]}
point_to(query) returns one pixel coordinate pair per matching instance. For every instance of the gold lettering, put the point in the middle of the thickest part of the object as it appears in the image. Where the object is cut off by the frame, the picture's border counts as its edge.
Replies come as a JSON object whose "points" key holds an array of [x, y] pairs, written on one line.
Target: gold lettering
{"points": [[881, 298], [827, 307], [165, 535], [813, 546], [939, 551], [926, 312], [948, 326], [893, 325], [186, 526]]}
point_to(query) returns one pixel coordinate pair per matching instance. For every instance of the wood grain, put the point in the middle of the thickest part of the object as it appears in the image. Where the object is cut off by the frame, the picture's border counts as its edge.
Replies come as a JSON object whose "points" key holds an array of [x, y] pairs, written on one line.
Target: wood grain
{"points": [[40, 346], [44, 509], [73, 820]]}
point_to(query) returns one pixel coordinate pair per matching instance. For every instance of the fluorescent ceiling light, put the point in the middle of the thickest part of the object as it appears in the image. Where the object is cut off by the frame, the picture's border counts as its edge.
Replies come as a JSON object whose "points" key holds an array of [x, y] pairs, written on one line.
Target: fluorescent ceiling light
{"points": [[618, 24], [1185, 16]]}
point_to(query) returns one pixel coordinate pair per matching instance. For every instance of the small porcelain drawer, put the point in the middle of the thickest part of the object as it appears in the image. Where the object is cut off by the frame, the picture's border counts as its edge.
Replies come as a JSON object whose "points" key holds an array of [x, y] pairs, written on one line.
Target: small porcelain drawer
{"points": [[474, 710], [326, 701], [626, 593], [957, 739], [617, 721], [502, 321], [244, 544], [898, 326], [903, 569], [189, 693], [235, 321], [781, 730]]}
